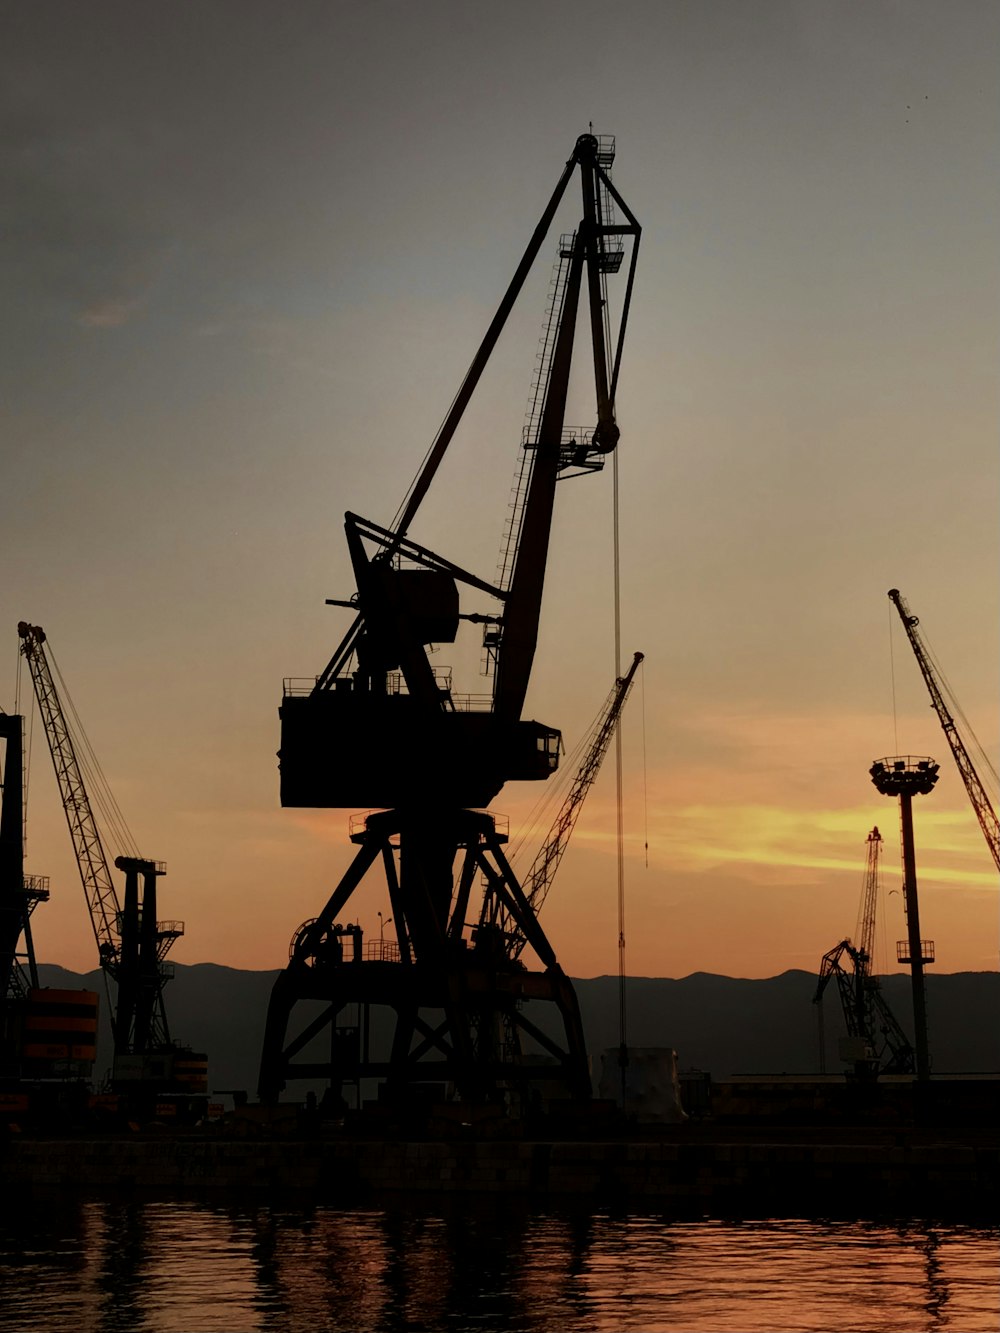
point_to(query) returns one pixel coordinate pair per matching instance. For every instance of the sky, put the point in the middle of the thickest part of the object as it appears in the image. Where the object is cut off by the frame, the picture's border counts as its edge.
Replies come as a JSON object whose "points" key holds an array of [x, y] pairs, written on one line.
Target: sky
{"points": [[246, 253]]}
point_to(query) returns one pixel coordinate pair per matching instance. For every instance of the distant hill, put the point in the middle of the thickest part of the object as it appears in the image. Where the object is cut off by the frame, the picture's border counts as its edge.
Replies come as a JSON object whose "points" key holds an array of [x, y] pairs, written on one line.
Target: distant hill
{"points": [[725, 1025]]}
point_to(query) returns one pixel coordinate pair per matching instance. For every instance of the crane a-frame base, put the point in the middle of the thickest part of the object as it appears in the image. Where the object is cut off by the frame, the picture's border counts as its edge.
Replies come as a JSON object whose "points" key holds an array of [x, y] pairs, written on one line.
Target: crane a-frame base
{"points": [[456, 1003]]}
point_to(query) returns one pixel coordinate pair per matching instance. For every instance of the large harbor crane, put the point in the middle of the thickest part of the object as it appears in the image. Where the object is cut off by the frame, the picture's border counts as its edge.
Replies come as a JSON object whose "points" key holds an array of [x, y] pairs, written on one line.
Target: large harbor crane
{"points": [[381, 727], [981, 803], [131, 943]]}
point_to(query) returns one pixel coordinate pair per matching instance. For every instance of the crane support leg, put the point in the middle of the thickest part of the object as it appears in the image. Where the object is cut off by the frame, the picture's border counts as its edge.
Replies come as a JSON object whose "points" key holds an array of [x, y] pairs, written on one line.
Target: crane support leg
{"points": [[430, 1007]]}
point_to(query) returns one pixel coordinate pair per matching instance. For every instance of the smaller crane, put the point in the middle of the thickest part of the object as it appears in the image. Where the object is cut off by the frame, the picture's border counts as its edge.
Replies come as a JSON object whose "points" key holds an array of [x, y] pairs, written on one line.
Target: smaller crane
{"points": [[981, 803], [131, 943], [542, 872], [877, 1043]]}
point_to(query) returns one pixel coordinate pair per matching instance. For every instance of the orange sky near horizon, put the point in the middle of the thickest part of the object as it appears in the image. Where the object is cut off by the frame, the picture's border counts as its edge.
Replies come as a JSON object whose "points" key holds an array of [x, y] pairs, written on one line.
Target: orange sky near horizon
{"points": [[243, 279]]}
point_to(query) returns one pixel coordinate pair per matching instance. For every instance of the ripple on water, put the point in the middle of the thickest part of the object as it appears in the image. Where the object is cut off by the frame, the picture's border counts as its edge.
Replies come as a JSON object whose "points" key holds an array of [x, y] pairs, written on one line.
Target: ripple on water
{"points": [[184, 1268]]}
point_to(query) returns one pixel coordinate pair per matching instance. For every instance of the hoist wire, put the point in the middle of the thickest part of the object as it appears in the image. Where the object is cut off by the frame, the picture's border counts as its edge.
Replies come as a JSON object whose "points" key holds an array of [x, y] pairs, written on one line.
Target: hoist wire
{"points": [[430, 449], [554, 793], [955, 708], [26, 751], [622, 995], [880, 944], [26, 748], [892, 678], [968, 736], [97, 786], [645, 787]]}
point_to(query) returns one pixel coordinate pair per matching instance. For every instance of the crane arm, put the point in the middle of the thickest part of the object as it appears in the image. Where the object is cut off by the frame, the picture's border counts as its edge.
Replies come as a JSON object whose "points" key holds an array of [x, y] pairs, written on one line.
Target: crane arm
{"points": [[901, 1052], [981, 803], [102, 900], [538, 880], [869, 898], [829, 968], [448, 428], [588, 258], [383, 617]]}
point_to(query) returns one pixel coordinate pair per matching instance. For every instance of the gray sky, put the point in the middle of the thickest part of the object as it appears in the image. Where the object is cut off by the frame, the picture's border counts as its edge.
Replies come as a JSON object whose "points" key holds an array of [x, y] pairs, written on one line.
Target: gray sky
{"points": [[247, 251]]}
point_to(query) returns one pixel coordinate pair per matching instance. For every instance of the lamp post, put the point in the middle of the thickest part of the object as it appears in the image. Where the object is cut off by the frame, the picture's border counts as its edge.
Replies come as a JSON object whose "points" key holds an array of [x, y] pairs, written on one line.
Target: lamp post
{"points": [[908, 776], [381, 933]]}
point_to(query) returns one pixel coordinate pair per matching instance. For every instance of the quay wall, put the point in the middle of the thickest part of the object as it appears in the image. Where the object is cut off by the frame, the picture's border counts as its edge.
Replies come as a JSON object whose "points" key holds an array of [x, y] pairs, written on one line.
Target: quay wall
{"points": [[915, 1176]]}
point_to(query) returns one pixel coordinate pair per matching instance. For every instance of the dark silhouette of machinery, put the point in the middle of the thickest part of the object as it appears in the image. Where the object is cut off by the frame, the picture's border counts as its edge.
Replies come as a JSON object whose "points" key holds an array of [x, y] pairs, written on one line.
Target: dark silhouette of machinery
{"points": [[132, 943], [48, 1037], [906, 776], [542, 871], [380, 727], [981, 803], [876, 1044], [19, 893]]}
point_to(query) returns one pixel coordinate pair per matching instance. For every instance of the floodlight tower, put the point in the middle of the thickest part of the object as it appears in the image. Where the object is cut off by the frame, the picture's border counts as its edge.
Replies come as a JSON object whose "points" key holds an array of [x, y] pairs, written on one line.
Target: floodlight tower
{"points": [[907, 776]]}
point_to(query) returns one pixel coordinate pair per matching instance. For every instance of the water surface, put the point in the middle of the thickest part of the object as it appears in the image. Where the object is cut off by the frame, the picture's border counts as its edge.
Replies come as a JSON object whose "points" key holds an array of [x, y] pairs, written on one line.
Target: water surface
{"points": [[184, 1268]]}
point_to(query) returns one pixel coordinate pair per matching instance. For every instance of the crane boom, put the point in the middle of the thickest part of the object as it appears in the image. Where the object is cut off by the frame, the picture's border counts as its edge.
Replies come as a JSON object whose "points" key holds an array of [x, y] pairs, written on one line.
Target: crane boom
{"points": [[981, 803], [538, 880], [102, 900], [589, 260], [869, 897]]}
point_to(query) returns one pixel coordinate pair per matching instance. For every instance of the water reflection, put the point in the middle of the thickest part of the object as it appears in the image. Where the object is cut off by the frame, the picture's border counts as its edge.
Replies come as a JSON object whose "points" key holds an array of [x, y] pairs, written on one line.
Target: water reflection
{"points": [[118, 1241], [177, 1267]]}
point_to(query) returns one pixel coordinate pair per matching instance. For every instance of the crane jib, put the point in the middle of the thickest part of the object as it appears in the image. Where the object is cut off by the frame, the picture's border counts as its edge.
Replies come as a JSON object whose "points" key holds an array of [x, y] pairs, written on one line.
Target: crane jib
{"points": [[981, 803]]}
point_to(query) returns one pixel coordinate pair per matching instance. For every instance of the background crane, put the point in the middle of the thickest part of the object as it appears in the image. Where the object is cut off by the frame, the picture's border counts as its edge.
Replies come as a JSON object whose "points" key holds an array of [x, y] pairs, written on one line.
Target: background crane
{"points": [[538, 879], [877, 1042], [936, 687], [131, 943]]}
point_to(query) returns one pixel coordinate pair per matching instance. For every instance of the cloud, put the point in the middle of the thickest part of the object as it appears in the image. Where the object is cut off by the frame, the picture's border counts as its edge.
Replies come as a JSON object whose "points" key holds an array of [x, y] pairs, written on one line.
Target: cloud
{"points": [[108, 314]]}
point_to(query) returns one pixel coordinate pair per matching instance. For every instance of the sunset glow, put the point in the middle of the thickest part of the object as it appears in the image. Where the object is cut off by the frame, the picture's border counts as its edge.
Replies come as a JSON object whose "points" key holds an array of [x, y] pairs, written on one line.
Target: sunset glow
{"points": [[234, 314]]}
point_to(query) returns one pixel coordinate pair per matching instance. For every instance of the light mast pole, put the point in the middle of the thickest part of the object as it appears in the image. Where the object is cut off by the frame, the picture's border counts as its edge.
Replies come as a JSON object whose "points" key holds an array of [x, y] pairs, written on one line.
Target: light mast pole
{"points": [[907, 777]]}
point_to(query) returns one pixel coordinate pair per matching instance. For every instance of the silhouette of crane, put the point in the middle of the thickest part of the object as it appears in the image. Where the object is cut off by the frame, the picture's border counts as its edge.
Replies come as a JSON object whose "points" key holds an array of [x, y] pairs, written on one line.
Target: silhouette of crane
{"points": [[131, 943], [381, 727], [876, 1042]]}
